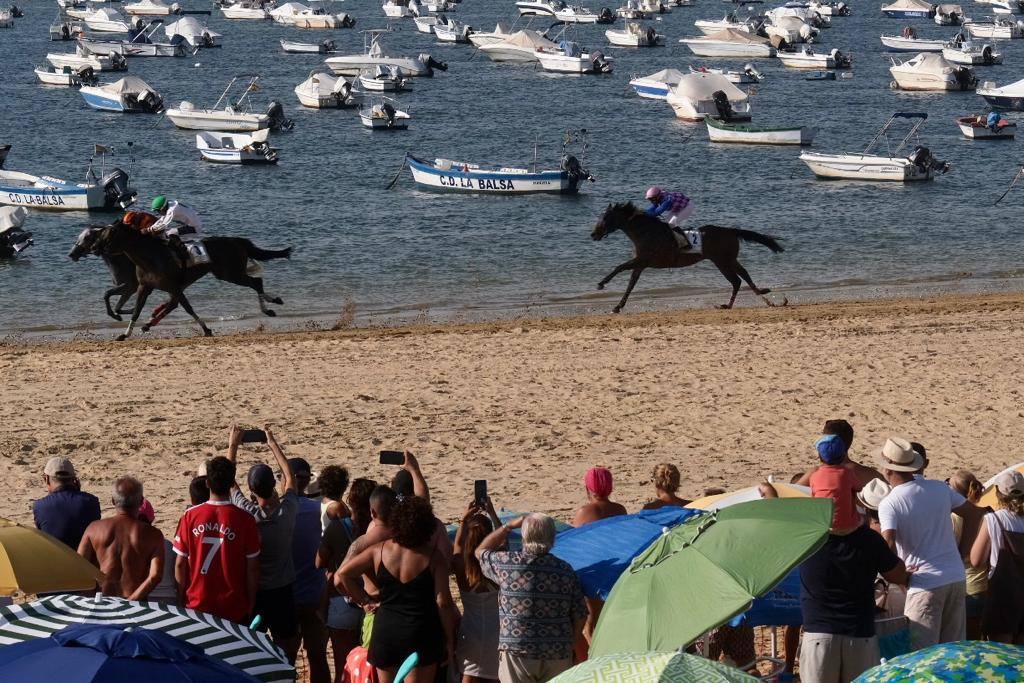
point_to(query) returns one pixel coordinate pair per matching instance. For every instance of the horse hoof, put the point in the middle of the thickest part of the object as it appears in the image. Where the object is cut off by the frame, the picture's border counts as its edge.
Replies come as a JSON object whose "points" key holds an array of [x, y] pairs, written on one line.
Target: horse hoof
{"points": [[121, 337], [600, 286], [145, 328], [724, 307], [207, 333], [762, 292], [270, 313], [116, 317], [617, 309], [279, 301]]}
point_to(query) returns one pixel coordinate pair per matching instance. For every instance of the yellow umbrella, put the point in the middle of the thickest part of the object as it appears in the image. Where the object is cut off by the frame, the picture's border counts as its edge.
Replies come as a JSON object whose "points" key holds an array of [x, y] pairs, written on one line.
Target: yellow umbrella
{"points": [[34, 562], [723, 500], [988, 499]]}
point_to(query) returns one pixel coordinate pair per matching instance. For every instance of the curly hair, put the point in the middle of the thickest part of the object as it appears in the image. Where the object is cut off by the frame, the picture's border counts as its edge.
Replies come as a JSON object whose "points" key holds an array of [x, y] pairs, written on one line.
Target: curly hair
{"points": [[359, 502], [333, 482], [666, 477], [411, 520], [1012, 504]]}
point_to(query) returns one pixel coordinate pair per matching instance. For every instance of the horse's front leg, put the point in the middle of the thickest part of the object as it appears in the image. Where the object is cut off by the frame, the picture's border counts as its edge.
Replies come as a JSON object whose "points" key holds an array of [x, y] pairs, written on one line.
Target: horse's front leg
{"points": [[115, 312], [141, 294], [631, 263], [188, 309], [632, 283]]}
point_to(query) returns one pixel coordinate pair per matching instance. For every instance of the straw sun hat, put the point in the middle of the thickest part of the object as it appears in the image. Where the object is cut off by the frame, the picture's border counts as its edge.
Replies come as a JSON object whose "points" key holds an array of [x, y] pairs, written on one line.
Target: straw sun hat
{"points": [[898, 455], [872, 494]]}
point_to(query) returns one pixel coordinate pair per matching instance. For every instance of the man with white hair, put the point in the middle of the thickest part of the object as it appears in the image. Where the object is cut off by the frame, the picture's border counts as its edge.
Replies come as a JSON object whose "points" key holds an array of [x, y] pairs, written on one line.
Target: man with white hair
{"points": [[540, 601]]}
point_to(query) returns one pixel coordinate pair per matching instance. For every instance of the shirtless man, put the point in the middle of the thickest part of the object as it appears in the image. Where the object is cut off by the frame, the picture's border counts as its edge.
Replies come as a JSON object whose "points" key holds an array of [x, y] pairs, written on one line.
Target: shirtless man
{"points": [[599, 487], [129, 552], [844, 430]]}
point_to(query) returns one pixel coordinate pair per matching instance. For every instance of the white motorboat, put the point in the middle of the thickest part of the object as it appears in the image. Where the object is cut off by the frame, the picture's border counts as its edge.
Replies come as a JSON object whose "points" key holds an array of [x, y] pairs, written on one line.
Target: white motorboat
{"points": [[425, 24], [919, 165], [730, 21], [192, 32], [128, 95], [152, 8], [574, 14], [806, 14], [66, 76], [107, 20], [6, 18], [702, 94], [80, 59], [656, 85], [396, 9], [729, 43], [748, 75], [828, 8], [448, 30], [246, 9], [1006, 7], [236, 148], [383, 79], [325, 91], [353, 65], [633, 34], [324, 47], [521, 46], [500, 33], [383, 114], [78, 12], [909, 9], [972, 54], [806, 58], [792, 30], [140, 43], [64, 29], [997, 29], [929, 71], [539, 7], [571, 58], [914, 44], [102, 191], [445, 175], [223, 115], [949, 15], [641, 9], [978, 128], [435, 6], [719, 131], [1008, 97], [302, 16]]}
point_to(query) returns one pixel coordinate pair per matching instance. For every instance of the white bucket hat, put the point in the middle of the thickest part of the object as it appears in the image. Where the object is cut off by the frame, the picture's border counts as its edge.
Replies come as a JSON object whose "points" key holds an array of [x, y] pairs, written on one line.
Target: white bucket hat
{"points": [[872, 494], [899, 456], [1010, 484]]}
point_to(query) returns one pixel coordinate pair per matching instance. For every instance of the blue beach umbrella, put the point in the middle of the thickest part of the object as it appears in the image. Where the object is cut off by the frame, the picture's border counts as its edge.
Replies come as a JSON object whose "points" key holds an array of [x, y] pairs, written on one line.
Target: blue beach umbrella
{"points": [[961, 662], [100, 653], [601, 551]]}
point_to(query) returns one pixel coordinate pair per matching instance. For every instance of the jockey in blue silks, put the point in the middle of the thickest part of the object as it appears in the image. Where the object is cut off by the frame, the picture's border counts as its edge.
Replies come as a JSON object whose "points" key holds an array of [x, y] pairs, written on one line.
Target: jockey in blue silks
{"points": [[672, 207]]}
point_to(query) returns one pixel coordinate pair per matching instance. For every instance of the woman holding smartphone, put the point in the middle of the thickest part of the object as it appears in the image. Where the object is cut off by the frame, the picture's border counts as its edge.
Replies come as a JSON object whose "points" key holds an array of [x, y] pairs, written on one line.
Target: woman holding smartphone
{"points": [[476, 654]]}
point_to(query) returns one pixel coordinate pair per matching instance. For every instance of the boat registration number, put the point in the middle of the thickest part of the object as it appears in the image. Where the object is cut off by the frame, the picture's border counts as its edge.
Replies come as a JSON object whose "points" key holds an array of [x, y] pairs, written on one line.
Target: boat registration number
{"points": [[477, 183], [36, 199]]}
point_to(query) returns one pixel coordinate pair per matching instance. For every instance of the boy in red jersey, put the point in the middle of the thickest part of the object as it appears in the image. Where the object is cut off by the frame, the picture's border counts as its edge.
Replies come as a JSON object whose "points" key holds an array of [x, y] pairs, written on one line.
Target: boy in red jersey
{"points": [[218, 547]]}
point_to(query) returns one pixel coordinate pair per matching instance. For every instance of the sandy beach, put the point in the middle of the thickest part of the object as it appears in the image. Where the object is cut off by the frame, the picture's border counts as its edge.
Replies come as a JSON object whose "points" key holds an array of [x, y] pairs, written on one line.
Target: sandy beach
{"points": [[728, 396]]}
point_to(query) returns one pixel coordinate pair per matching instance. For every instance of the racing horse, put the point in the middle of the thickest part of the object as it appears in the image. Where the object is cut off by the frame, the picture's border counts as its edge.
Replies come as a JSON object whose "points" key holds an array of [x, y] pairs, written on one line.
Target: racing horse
{"points": [[158, 266], [655, 246]]}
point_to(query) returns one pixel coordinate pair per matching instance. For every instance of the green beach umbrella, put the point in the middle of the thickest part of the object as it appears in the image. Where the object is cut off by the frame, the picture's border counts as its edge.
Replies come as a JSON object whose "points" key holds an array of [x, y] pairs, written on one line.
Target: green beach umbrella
{"points": [[967, 660], [652, 667], [706, 571]]}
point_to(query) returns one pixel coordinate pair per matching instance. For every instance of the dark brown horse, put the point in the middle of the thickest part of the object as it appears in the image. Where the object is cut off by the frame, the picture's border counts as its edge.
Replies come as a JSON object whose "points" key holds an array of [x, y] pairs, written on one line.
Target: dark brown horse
{"points": [[655, 246], [158, 266]]}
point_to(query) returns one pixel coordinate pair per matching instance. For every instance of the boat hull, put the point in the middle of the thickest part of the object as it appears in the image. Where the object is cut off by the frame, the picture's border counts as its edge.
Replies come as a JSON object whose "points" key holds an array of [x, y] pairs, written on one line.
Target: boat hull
{"points": [[428, 177], [862, 167], [816, 62], [975, 131], [197, 120], [22, 189], [627, 39], [502, 53], [56, 77], [652, 90], [1005, 102], [96, 99], [907, 14], [353, 66], [900, 44], [234, 156], [703, 48], [748, 135]]}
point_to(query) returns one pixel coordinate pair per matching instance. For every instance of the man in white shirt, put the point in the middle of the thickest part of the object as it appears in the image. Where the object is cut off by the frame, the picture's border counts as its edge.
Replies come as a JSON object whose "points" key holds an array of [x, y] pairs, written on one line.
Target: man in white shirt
{"points": [[915, 523], [176, 219]]}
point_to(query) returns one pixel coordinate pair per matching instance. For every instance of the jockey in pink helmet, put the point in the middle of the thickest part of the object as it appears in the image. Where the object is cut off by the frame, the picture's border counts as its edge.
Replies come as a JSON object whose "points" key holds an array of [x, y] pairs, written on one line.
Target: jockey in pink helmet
{"points": [[672, 207]]}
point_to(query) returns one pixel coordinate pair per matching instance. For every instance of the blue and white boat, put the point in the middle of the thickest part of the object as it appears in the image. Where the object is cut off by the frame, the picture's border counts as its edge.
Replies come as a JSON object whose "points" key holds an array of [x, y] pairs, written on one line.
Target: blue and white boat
{"points": [[656, 85], [128, 95], [445, 175], [1008, 97], [102, 192], [909, 9]]}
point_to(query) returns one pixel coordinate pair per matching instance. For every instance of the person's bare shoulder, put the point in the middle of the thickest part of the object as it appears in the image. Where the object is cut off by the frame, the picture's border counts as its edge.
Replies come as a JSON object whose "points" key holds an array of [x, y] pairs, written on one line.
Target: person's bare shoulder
{"points": [[585, 515], [618, 509]]}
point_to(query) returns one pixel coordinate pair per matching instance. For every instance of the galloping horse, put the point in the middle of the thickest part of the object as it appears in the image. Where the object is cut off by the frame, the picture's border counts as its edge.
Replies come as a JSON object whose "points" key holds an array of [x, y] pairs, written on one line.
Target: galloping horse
{"points": [[655, 246]]}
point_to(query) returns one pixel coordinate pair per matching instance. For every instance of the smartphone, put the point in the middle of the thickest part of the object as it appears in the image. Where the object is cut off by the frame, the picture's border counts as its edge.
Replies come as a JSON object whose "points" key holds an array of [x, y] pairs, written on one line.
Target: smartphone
{"points": [[392, 458], [480, 492], [254, 436]]}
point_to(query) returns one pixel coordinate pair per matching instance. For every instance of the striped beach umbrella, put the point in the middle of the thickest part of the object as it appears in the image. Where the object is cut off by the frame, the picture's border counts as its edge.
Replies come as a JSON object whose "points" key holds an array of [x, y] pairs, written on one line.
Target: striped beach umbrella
{"points": [[252, 652]]}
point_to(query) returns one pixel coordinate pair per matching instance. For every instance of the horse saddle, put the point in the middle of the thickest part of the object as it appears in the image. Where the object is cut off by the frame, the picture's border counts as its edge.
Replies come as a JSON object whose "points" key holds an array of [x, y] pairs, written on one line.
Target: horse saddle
{"points": [[689, 241], [197, 253]]}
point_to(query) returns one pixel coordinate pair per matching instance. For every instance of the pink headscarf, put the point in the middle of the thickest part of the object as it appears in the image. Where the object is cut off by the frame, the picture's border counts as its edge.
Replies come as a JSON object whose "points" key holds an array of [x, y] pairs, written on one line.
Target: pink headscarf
{"points": [[599, 481], [146, 511]]}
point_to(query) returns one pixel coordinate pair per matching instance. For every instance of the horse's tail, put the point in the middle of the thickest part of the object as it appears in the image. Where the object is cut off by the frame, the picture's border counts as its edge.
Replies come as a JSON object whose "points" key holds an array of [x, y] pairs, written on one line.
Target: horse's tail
{"points": [[760, 238], [252, 251]]}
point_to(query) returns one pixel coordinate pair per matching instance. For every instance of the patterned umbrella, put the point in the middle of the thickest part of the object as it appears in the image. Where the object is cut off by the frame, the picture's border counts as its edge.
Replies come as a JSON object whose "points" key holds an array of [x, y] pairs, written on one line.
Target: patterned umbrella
{"points": [[652, 667], [967, 660], [244, 649]]}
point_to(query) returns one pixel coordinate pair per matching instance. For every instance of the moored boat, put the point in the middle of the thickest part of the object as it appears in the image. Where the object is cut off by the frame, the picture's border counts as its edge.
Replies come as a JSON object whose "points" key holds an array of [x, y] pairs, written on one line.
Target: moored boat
{"points": [[382, 113], [126, 95], [520, 47], [246, 9], [972, 54], [102, 191], [807, 58], [929, 71], [572, 58], [1008, 97], [719, 131], [979, 128], [912, 43], [192, 31], [656, 85], [383, 79], [445, 175], [227, 116], [66, 76], [698, 95], [909, 9], [152, 8], [352, 65], [748, 75], [236, 148], [730, 43], [634, 34], [324, 47], [80, 59], [949, 15], [448, 30], [107, 20], [323, 90], [1003, 28]]}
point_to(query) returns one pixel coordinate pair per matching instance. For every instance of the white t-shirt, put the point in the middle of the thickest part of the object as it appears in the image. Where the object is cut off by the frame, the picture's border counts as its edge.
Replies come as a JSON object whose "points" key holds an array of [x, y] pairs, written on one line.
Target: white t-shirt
{"points": [[1006, 520], [918, 511]]}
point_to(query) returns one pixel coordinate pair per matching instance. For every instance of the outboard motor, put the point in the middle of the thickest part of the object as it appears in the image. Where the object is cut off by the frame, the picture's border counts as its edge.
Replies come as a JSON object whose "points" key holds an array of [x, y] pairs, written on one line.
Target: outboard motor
{"points": [[652, 37], [14, 240], [432, 64], [328, 46], [347, 21], [986, 55], [389, 112], [118, 61], [602, 65], [841, 9], [278, 121], [842, 61], [923, 159], [152, 103], [86, 76], [722, 105], [342, 92], [749, 69], [574, 169], [779, 43], [606, 16], [207, 40], [116, 191], [965, 78], [16, 12]]}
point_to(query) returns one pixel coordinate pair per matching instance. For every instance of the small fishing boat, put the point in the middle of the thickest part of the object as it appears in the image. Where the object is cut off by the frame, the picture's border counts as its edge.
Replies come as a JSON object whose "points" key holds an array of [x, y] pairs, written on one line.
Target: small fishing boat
{"points": [[324, 47], [539, 7], [396, 9], [807, 58], [192, 31], [520, 47], [383, 114], [445, 175], [152, 8], [353, 65], [997, 29], [719, 131], [571, 58], [730, 43], [102, 191], [448, 30], [792, 30], [972, 54], [919, 165], [236, 148], [909, 9], [435, 6], [978, 128], [225, 115], [748, 75], [656, 85], [140, 43], [62, 29], [633, 34], [425, 24], [107, 20], [1008, 97], [698, 95], [827, 8], [809, 16], [383, 79], [574, 14], [500, 33], [128, 95], [929, 71], [949, 15], [323, 90], [730, 21], [820, 76], [908, 41], [6, 18], [246, 9], [66, 76], [1006, 7], [80, 59]]}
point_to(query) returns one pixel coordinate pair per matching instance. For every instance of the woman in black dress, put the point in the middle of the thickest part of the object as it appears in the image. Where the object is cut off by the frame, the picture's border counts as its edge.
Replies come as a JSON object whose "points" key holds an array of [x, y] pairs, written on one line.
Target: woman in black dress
{"points": [[414, 603]]}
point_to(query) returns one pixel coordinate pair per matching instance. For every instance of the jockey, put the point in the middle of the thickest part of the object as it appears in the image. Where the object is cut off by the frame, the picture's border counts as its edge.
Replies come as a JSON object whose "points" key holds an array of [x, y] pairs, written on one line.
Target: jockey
{"points": [[675, 207], [177, 219], [140, 220]]}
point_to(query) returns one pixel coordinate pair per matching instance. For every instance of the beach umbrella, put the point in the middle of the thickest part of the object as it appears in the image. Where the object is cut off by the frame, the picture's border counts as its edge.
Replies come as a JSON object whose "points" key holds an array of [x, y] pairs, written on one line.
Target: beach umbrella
{"points": [[652, 667], [602, 550], [707, 570], [232, 643], [32, 561], [967, 660], [723, 500], [101, 653]]}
